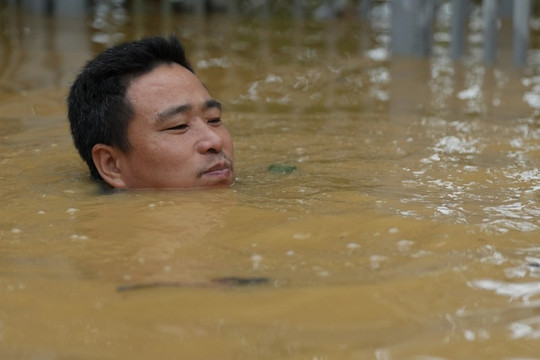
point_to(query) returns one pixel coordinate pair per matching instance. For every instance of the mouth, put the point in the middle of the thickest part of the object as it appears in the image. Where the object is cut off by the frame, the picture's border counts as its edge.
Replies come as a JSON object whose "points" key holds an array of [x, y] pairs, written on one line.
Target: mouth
{"points": [[218, 171]]}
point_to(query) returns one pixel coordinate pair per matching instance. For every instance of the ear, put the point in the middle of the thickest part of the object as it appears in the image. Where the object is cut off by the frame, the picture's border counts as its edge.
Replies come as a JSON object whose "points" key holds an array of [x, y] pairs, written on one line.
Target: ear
{"points": [[106, 158]]}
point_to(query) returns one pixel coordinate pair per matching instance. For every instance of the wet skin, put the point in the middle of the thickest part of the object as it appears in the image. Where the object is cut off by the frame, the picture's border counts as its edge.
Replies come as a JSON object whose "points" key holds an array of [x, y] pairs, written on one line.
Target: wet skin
{"points": [[177, 137]]}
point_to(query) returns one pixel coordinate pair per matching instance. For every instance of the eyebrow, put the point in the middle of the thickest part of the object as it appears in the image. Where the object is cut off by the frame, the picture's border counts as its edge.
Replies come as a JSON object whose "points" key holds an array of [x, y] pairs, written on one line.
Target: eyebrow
{"points": [[212, 103], [179, 109]]}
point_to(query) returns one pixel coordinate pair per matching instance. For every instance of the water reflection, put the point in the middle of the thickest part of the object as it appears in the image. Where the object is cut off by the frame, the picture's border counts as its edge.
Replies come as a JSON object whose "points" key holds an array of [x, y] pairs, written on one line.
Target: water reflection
{"points": [[109, 17], [56, 7]]}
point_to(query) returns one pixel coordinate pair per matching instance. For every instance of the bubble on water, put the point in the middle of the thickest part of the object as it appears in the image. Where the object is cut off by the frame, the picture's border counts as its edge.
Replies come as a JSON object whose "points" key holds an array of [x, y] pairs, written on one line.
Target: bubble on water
{"points": [[378, 54], [301, 236], [404, 245], [323, 273], [379, 75], [530, 267], [256, 261], [491, 255], [77, 237], [16, 287], [382, 354], [252, 93], [101, 38], [444, 210], [453, 144], [526, 329], [16, 231], [471, 93], [393, 230], [289, 253], [375, 261], [515, 272], [532, 99], [215, 62], [421, 253], [528, 175], [379, 94], [271, 78], [469, 335], [352, 246], [517, 216], [72, 211], [513, 290]]}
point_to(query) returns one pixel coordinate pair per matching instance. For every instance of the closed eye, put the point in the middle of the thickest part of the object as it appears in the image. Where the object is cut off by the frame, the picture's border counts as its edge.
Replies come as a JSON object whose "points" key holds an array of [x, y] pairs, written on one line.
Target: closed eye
{"points": [[178, 127], [214, 121]]}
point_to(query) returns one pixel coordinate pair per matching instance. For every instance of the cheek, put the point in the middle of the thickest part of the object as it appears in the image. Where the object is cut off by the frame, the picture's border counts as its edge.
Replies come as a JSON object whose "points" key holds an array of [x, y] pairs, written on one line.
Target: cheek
{"points": [[227, 140], [151, 151], [171, 148]]}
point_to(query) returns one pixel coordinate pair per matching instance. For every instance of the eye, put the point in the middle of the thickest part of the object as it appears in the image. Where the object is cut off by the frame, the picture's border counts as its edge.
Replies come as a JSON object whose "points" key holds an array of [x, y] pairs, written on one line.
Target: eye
{"points": [[214, 121], [180, 127]]}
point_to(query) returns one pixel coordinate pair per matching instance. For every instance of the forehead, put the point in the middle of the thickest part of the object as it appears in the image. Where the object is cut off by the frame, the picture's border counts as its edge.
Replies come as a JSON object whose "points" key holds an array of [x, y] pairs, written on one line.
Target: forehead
{"points": [[166, 85]]}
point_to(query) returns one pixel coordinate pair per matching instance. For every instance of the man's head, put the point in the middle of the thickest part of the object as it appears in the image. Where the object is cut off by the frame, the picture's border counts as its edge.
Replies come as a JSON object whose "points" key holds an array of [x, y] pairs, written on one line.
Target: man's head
{"points": [[140, 118]]}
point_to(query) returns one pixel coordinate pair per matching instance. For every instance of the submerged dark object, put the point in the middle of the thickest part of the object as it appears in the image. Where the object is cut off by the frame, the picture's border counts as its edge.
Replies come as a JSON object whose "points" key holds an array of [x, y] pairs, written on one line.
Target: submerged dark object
{"points": [[282, 168], [227, 281], [239, 281]]}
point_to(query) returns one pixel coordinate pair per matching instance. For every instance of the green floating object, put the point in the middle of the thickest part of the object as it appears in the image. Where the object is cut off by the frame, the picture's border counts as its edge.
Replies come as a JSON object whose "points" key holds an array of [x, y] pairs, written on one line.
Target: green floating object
{"points": [[282, 168]]}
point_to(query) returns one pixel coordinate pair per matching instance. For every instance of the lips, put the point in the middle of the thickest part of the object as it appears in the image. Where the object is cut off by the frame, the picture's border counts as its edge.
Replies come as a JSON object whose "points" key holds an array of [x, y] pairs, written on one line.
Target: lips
{"points": [[220, 170]]}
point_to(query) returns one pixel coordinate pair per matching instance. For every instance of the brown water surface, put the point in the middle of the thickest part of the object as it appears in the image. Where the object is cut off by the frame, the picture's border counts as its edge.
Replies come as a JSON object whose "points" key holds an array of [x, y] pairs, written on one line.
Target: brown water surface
{"points": [[409, 229]]}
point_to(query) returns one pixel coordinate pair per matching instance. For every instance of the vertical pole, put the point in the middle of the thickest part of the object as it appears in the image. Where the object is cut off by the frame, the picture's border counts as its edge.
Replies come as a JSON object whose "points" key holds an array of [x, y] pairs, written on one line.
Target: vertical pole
{"points": [[39, 7], [489, 13], [70, 7], [166, 16], [298, 9], [506, 8], [365, 6], [412, 22], [400, 28], [232, 7], [460, 10], [199, 7], [266, 8], [137, 6], [165, 7], [522, 12], [138, 9]]}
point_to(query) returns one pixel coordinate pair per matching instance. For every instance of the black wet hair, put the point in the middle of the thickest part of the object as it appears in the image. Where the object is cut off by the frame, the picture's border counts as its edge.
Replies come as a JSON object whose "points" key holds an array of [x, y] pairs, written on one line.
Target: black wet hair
{"points": [[98, 110]]}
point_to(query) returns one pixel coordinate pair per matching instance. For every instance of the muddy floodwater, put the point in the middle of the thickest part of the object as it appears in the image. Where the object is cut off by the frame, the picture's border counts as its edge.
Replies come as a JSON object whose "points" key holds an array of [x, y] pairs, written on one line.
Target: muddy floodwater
{"points": [[405, 223]]}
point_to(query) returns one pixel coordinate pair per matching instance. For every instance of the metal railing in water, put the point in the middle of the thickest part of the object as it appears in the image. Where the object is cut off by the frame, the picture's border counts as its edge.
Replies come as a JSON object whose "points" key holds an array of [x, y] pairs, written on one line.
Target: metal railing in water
{"points": [[411, 23], [412, 26]]}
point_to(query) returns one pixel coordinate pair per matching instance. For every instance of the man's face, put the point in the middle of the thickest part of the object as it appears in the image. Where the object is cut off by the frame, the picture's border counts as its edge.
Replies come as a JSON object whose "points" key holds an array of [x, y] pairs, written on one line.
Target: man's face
{"points": [[177, 137]]}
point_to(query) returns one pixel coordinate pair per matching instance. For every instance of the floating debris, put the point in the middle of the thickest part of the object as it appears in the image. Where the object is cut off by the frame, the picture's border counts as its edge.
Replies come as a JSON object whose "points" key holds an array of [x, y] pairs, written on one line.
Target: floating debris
{"points": [[228, 281], [239, 281], [282, 168]]}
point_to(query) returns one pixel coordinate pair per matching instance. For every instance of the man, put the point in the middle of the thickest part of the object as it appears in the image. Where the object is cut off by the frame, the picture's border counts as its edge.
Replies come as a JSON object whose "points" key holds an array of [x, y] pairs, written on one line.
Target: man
{"points": [[140, 118]]}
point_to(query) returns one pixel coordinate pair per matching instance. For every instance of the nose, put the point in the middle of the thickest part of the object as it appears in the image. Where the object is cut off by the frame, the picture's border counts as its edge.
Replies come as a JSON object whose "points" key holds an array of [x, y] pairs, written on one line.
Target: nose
{"points": [[209, 140]]}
